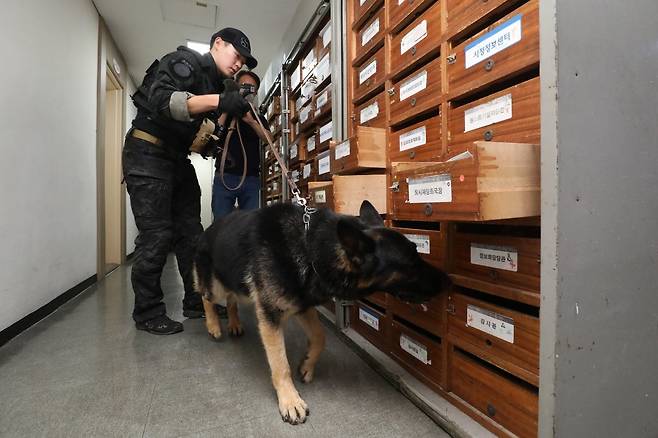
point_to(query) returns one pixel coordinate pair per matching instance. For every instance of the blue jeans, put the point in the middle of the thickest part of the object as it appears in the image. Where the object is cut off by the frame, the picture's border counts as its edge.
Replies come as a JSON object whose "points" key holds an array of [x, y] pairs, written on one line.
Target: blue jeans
{"points": [[224, 199]]}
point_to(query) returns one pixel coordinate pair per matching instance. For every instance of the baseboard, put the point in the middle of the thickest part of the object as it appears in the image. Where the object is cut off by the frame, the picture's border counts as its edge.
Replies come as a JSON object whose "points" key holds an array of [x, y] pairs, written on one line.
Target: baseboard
{"points": [[23, 324]]}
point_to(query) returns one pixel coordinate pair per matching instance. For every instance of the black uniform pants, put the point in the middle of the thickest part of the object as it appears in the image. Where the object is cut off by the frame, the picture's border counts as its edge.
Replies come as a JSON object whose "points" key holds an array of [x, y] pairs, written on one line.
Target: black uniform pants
{"points": [[166, 202]]}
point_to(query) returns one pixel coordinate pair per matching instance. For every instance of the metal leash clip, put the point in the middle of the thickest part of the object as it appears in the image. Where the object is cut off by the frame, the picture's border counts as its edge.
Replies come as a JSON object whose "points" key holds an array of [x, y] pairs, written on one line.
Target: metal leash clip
{"points": [[308, 211]]}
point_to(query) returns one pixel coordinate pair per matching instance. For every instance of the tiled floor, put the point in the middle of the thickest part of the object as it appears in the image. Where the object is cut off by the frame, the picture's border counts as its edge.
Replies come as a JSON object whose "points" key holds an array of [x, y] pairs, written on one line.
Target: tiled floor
{"points": [[85, 371]]}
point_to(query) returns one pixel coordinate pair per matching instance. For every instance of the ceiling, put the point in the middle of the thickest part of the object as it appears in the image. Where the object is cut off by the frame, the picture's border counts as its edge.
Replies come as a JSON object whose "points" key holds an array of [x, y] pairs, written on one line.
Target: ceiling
{"points": [[147, 29]]}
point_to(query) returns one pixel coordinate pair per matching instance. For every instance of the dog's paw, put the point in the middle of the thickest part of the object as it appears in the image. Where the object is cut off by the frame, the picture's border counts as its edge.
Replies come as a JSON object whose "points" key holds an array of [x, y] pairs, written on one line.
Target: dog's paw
{"points": [[235, 329], [306, 371], [293, 410], [215, 333]]}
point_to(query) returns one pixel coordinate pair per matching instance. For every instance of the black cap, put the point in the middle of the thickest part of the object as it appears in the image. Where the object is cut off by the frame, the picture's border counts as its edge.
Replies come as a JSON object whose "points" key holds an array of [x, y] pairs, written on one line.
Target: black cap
{"points": [[239, 41], [250, 73]]}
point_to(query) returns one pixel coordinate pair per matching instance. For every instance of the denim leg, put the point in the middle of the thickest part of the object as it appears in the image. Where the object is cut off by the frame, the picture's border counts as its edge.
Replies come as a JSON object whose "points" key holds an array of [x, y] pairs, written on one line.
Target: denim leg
{"points": [[223, 199], [249, 196]]}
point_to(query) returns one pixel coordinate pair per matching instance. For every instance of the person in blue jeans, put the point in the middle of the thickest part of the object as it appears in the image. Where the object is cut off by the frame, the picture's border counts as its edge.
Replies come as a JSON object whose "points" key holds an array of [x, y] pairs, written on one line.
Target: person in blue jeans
{"points": [[248, 195]]}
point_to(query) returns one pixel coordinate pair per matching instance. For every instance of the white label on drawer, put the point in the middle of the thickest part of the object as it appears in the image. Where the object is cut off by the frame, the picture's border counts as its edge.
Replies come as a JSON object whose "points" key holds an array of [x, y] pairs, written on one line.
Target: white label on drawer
{"points": [[489, 322], [413, 139], [295, 175], [309, 60], [326, 132], [322, 99], [296, 77], [498, 257], [306, 172], [400, 2], [323, 70], [415, 349], [323, 165], [488, 113], [361, 2], [368, 71], [343, 150], [320, 197], [326, 36], [370, 32], [293, 151], [499, 39], [430, 189], [416, 34], [303, 114], [310, 144], [369, 112], [422, 242], [369, 319], [413, 85]]}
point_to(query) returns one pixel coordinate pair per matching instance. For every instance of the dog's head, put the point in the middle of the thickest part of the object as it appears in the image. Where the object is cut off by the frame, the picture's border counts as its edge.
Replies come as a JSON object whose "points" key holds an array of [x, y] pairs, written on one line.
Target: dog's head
{"points": [[384, 260]]}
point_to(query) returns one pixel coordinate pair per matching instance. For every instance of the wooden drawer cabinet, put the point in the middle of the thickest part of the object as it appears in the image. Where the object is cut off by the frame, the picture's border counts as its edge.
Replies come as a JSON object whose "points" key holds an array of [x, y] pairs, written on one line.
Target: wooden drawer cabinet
{"points": [[369, 323], [323, 165], [324, 135], [371, 113], [369, 76], [364, 150], [321, 194], [506, 48], [416, 93], [426, 316], [322, 103], [369, 38], [418, 142], [418, 353]]}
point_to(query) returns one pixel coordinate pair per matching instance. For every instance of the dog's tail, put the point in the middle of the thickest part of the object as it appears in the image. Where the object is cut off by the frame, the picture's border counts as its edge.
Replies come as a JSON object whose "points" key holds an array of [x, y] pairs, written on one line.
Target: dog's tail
{"points": [[203, 268]]}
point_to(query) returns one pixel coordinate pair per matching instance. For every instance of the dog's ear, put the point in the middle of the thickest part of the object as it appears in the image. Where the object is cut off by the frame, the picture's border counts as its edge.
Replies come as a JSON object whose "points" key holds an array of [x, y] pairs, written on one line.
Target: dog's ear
{"points": [[356, 244], [369, 215]]}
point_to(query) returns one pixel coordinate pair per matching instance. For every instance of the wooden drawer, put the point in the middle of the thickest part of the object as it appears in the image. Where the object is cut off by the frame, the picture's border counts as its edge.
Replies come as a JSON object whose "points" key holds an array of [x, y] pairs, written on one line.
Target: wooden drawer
{"points": [[294, 152], [322, 71], [464, 15], [321, 194], [322, 103], [505, 337], [371, 113], [418, 353], [323, 165], [493, 260], [417, 93], [351, 190], [489, 181], [330, 305], [307, 171], [369, 323], [296, 77], [505, 399], [401, 12], [417, 42], [324, 135], [274, 108], [306, 118], [506, 48], [418, 142], [363, 9], [323, 42], [426, 316], [364, 150], [369, 38], [378, 298], [308, 62], [369, 76], [431, 244], [511, 115]]}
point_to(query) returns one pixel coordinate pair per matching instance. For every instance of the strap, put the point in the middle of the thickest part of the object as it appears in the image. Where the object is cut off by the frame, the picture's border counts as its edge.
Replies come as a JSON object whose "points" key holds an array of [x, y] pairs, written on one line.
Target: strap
{"points": [[222, 163]]}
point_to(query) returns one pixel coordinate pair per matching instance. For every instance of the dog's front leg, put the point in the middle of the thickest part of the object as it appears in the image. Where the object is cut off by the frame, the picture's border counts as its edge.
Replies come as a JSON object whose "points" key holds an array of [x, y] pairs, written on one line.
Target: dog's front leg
{"points": [[313, 328], [212, 320], [291, 406]]}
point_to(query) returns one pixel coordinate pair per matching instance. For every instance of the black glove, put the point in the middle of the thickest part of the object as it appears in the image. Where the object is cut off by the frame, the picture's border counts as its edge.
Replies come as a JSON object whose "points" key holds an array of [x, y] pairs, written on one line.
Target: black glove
{"points": [[232, 103]]}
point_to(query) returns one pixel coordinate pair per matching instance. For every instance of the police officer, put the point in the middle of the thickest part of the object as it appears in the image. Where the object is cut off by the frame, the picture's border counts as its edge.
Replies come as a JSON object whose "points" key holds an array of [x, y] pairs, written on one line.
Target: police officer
{"points": [[177, 93], [244, 143]]}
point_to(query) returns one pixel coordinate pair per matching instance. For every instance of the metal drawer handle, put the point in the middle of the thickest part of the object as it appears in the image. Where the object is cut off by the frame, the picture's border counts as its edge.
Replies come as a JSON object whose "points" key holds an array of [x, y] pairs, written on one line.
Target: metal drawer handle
{"points": [[391, 91], [395, 187], [413, 101], [428, 209], [488, 135], [413, 51], [489, 65], [452, 58], [412, 154], [368, 83], [491, 410]]}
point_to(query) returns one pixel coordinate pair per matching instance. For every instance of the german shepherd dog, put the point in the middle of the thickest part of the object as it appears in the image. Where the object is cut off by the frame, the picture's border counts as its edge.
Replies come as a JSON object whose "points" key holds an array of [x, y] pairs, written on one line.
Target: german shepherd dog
{"points": [[267, 256]]}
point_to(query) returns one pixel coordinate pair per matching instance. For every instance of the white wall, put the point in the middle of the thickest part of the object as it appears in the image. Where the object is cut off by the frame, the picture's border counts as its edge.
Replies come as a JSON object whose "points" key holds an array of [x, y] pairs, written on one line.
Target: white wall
{"points": [[131, 228], [205, 170], [48, 144]]}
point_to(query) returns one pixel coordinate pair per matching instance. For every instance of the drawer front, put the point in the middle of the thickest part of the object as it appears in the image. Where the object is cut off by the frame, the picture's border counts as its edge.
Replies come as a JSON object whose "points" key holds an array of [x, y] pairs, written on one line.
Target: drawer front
{"points": [[323, 165], [306, 118], [418, 92], [431, 244], [401, 12], [464, 14], [420, 354], [322, 103], [498, 260], [310, 145], [508, 337], [294, 153], [507, 47], [371, 113], [369, 76], [369, 323], [323, 42], [379, 298], [369, 38], [510, 403], [511, 115], [426, 316], [363, 8], [418, 41], [307, 171], [365, 150], [321, 195], [324, 136], [418, 142]]}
